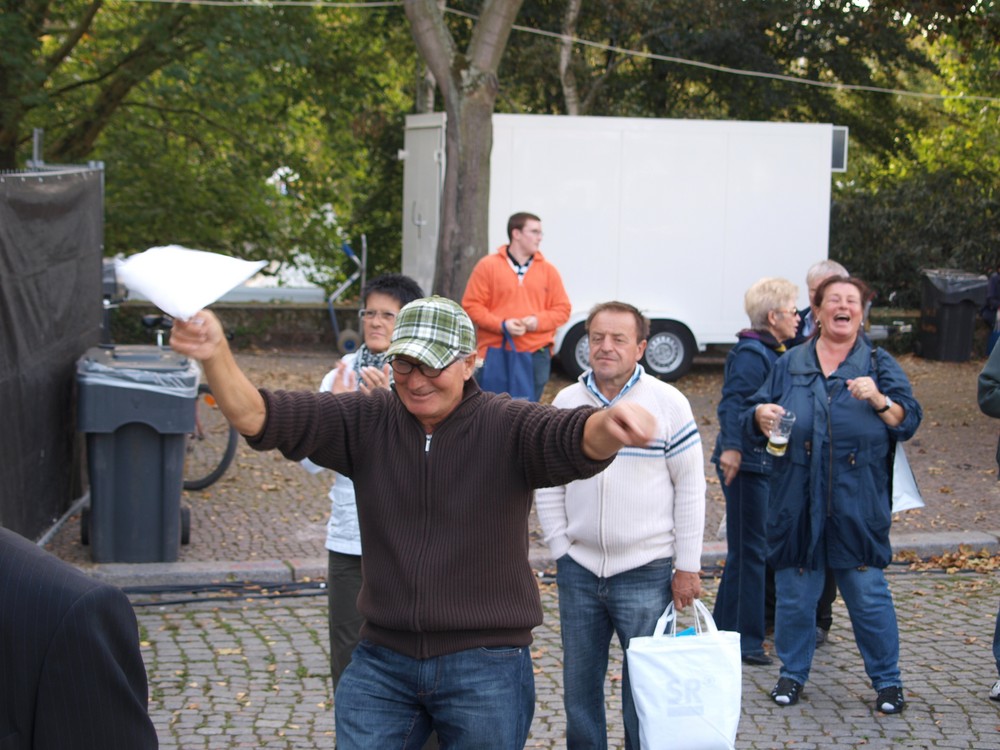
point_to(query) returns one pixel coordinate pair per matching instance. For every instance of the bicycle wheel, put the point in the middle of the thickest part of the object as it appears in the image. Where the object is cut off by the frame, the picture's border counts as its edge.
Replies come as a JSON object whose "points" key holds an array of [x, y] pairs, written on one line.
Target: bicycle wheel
{"points": [[211, 447]]}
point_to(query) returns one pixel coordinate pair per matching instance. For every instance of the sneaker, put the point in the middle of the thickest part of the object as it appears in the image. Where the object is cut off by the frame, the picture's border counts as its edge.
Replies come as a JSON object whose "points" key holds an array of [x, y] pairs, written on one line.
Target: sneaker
{"points": [[995, 691], [890, 700], [786, 692]]}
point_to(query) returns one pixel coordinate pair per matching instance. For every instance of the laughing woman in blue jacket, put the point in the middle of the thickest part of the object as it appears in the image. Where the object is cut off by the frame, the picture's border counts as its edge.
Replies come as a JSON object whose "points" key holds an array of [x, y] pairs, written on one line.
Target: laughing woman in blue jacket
{"points": [[830, 502]]}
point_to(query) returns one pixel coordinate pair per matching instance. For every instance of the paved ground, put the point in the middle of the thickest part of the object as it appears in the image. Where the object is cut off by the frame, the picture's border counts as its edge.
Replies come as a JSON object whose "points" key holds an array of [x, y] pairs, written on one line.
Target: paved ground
{"points": [[248, 667], [253, 673]]}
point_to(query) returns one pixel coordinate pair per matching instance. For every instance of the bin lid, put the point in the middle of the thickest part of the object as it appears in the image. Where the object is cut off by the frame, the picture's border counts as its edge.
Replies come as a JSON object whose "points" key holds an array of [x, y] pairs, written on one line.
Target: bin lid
{"points": [[953, 280], [152, 368], [954, 286]]}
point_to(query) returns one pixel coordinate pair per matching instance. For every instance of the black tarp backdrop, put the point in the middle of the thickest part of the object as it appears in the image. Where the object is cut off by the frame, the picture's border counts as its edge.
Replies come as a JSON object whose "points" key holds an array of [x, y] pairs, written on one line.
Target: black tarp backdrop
{"points": [[51, 245]]}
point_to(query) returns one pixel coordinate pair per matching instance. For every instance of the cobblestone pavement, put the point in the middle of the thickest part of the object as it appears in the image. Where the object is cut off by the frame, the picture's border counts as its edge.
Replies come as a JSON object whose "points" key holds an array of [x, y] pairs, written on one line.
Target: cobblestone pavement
{"points": [[267, 508], [253, 673]]}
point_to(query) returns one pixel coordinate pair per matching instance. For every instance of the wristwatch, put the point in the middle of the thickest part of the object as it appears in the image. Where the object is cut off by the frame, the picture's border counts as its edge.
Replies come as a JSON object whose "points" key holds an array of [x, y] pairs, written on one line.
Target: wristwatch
{"points": [[888, 405]]}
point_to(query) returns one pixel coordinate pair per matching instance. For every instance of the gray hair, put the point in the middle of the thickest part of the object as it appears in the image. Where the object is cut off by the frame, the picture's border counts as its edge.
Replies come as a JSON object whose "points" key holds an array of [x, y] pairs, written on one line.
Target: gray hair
{"points": [[765, 295], [824, 269]]}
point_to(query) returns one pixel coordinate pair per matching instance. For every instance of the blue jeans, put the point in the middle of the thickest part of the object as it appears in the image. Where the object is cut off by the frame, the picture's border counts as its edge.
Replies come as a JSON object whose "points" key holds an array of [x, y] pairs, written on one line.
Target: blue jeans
{"points": [[739, 605], [873, 617], [591, 609], [541, 361], [482, 697]]}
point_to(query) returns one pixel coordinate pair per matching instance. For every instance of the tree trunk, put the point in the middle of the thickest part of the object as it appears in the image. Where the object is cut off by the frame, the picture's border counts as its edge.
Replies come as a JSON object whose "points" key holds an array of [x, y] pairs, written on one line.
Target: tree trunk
{"points": [[571, 96], [468, 85], [465, 201]]}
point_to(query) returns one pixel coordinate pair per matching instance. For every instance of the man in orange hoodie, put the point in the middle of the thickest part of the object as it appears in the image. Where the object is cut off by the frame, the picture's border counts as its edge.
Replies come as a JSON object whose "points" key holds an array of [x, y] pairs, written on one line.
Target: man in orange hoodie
{"points": [[517, 286]]}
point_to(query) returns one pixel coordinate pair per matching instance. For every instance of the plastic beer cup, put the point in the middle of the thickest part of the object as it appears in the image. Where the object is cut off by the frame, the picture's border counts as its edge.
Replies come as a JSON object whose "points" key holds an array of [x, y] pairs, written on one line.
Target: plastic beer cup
{"points": [[777, 441]]}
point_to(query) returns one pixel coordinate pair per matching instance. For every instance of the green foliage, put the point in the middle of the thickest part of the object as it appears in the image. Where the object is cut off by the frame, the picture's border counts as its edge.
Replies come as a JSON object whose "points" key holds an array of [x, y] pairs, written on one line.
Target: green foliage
{"points": [[257, 131], [927, 219], [940, 207], [850, 43], [921, 192], [266, 132]]}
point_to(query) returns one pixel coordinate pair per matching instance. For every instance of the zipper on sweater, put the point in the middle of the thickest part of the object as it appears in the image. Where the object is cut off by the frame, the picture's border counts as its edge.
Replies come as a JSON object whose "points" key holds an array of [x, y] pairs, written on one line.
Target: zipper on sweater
{"points": [[422, 552]]}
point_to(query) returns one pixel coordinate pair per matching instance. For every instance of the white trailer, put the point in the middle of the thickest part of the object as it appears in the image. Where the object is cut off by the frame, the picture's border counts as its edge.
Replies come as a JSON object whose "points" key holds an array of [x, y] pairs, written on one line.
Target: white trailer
{"points": [[677, 217]]}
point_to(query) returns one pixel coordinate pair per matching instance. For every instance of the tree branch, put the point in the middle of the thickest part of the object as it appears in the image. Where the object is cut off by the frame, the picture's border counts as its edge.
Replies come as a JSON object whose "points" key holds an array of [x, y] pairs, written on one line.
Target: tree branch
{"points": [[614, 64], [571, 94], [489, 37], [54, 60], [157, 48], [434, 41]]}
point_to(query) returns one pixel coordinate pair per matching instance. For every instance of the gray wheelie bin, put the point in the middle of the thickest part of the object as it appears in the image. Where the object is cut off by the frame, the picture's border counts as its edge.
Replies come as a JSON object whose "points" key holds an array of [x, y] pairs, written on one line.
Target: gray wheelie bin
{"points": [[950, 302], [136, 406]]}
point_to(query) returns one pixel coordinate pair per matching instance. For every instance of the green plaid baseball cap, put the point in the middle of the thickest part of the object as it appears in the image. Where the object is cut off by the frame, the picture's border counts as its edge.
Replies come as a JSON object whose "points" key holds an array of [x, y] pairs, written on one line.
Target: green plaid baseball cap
{"points": [[433, 330]]}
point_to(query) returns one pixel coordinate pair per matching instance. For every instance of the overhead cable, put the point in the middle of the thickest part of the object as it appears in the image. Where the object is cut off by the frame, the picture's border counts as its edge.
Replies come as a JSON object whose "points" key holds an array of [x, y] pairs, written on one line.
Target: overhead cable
{"points": [[725, 69]]}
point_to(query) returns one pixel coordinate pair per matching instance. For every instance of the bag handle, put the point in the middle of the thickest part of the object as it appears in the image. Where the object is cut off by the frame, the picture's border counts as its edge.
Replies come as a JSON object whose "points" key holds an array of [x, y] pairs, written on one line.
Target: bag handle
{"points": [[667, 624], [507, 338], [893, 443]]}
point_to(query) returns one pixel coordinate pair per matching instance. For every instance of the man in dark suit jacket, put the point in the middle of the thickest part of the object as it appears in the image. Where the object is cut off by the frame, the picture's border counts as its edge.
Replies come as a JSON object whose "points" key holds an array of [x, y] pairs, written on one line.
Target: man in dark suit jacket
{"points": [[71, 674]]}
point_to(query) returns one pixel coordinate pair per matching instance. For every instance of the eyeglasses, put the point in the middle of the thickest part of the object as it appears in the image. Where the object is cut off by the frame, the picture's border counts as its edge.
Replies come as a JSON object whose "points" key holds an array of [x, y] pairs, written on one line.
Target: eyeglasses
{"points": [[793, 312], [405, 367], [384, 315]]}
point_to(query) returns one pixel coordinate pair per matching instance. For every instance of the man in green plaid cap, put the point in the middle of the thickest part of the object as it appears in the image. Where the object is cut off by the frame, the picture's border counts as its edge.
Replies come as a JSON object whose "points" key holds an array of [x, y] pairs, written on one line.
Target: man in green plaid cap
{"points": [[443, 476], [430, 336]]}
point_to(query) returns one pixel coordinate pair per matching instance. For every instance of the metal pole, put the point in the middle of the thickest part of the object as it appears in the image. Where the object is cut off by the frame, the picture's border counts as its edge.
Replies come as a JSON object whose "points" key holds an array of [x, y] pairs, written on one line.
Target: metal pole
{"points": [[364, 263], [37, 136]]}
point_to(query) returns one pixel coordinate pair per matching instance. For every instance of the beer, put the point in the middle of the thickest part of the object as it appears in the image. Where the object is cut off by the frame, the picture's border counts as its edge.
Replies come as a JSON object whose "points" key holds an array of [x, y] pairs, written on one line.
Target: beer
{"points": [[777, 445], [777, 441]]}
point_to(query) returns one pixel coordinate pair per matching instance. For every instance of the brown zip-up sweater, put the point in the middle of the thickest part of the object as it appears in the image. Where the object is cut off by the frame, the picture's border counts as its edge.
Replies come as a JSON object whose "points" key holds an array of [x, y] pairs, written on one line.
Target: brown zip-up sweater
{"points": [[444, 518]]}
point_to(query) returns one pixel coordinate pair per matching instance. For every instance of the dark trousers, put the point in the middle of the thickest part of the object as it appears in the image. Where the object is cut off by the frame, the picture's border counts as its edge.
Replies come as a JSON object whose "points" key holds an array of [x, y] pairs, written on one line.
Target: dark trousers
{"points": [[739, 604], [542, 363], [343, 582]]}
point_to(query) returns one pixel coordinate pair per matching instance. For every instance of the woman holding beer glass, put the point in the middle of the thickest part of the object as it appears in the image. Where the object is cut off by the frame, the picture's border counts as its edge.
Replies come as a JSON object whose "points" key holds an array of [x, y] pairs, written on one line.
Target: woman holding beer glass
{"points": [[830, 503]]}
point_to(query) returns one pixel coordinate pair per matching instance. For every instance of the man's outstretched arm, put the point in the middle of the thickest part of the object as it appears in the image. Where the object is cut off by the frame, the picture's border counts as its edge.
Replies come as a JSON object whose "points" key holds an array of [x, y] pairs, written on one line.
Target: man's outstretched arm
{"points": [[608, 430], [202, 338]]}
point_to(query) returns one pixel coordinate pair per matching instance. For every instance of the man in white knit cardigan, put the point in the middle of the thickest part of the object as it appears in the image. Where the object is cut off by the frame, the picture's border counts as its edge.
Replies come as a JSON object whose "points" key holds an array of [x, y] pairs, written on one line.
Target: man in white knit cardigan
{"points": [[627, 540]]}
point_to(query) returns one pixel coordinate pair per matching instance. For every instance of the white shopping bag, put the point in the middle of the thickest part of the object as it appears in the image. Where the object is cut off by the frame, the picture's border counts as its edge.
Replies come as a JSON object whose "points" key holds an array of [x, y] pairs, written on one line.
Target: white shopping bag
{"points": [[905, 493], [687, 689]]}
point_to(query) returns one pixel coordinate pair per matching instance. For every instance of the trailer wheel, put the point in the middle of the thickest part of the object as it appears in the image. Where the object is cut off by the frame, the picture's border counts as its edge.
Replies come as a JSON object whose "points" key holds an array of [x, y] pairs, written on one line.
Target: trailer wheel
{"points": [[669, 351], [574, 354]]}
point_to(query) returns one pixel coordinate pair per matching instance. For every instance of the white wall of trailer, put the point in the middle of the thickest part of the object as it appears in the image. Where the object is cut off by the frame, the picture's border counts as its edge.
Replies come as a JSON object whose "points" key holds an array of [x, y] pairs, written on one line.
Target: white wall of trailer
{"points": [[678, 217]]}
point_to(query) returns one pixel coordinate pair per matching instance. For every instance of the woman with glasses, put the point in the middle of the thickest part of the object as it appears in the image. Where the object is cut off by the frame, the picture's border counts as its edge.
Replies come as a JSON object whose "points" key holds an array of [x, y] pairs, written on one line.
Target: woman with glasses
{"points": [[744, 465], [364, 370]]}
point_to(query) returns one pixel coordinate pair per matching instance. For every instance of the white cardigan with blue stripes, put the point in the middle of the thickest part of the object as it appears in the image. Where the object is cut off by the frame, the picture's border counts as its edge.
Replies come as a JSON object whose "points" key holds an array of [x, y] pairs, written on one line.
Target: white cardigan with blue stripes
{"points": [[649, 504]]}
